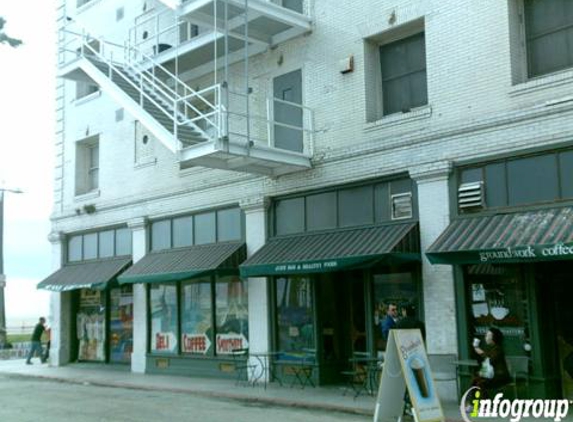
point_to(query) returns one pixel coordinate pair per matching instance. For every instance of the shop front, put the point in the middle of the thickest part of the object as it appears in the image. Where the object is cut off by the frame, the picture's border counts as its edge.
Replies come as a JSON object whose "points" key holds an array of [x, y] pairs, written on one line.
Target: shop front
{"points": [[197, 306], [512, 272], [101, 319], [332, 272]]}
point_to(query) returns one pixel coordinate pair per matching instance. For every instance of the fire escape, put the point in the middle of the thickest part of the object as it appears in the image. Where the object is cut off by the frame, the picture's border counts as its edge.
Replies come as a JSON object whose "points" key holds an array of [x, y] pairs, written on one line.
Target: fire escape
{"points": [[173, 47]]}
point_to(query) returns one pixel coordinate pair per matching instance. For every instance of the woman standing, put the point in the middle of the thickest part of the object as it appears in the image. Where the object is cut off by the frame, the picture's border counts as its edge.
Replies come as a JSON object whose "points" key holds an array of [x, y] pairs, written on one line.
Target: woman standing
{"points": [[494, 352]]}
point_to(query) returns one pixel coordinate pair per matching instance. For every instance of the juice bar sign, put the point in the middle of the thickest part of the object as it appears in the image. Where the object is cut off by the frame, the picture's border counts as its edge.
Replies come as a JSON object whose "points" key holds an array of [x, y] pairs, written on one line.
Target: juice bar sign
{"points": [[307, 267], [532, 252]]}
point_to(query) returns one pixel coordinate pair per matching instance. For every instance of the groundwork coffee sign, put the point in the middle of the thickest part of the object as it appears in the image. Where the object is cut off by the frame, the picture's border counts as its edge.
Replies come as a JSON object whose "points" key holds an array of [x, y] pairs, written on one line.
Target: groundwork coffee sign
{"points": [[528, 253]]}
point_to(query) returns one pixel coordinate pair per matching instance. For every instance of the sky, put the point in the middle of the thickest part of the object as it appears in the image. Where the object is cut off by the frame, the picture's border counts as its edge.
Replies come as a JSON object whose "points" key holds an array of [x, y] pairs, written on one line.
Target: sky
{"points": [[27, 122]]}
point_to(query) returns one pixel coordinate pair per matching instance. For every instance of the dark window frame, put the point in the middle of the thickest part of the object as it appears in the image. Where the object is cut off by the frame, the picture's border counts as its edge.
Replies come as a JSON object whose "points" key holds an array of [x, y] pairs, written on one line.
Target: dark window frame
{"points": [[81, 236], [407, 75], [377, 218], [530, 39], [555, 155]]}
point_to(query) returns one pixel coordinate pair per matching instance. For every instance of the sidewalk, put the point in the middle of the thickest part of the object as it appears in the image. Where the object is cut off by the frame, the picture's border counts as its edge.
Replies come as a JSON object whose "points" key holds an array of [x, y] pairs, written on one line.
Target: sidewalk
{"points": [[323, 398]]}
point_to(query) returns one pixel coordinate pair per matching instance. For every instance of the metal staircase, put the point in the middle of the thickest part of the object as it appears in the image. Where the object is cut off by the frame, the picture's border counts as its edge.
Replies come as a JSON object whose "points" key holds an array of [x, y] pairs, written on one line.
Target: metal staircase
{"points": [[196, 125], [177, 115]]}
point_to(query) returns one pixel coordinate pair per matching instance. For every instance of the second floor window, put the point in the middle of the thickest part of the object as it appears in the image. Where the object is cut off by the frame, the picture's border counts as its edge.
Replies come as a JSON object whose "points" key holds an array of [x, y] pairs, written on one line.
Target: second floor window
{"points": [[549, 35], [87, 165], [403, 67]]}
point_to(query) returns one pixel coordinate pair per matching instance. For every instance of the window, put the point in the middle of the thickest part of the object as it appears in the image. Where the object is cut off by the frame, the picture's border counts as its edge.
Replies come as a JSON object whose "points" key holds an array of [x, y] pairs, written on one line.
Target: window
{"points": [[549, 35], [356, 206], [223, 225], [163, 304], [403, 68], [98, 245], [83, 89], [524, 180], [160, 235], [87, 165], [213, 318], [345, 207], [295, 314], [232, 314], [196, 319]]}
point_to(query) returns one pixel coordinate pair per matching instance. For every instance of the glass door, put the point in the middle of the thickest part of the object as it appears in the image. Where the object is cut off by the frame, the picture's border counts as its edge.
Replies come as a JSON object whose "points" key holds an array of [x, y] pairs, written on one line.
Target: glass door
{"points": [[121, 324]]}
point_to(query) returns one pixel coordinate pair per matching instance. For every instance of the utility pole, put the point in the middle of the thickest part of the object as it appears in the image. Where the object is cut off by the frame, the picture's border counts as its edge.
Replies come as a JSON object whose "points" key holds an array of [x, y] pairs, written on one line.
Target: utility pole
{"points": [[2, 276]]}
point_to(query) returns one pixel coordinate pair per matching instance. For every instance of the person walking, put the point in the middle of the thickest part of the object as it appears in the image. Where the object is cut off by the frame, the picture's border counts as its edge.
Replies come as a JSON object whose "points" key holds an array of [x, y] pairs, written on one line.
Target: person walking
{"points": [[37, 341]]}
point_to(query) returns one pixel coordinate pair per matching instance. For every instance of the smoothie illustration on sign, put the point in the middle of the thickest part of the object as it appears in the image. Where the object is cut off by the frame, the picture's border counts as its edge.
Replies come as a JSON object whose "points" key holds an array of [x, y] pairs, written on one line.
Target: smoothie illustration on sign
{"points": [[418, 369]]}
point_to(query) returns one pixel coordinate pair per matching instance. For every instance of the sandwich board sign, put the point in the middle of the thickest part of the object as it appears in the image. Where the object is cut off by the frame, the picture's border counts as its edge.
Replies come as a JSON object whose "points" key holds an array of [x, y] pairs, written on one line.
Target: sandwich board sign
{"points": [[406, 365]]}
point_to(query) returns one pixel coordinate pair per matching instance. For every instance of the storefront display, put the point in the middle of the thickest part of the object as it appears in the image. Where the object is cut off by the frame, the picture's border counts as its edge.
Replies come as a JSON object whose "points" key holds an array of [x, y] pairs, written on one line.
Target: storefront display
{"points": [[196, 318], [232, 315], [121, 324], [90, 324], [163, 305]]}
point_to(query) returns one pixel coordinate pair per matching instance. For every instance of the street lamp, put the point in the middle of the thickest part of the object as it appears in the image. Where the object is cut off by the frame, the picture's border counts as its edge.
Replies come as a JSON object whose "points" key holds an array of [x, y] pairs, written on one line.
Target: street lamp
{"points": [[2, 276]]}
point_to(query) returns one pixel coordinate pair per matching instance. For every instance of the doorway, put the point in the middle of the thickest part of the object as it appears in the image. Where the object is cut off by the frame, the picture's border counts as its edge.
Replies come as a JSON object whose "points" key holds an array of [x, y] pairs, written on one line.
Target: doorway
{"points": [[556, 279], [287, 90]]}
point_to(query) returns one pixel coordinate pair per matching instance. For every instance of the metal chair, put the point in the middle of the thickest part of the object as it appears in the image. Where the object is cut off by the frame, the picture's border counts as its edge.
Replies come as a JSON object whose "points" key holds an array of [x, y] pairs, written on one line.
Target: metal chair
{"points": [[518, 367], [242, 366]]}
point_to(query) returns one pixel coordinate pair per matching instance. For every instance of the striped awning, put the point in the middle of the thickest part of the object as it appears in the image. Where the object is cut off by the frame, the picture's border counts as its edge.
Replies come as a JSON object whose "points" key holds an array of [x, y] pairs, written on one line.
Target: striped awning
{"points": [[94, 274], [185, 263], [541, 235], [334, 251]]}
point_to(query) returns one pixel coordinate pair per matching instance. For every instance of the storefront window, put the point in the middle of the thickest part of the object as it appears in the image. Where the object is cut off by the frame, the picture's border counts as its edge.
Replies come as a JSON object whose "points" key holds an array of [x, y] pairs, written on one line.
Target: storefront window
{"points": [[121, 323], [75, 248], [196, 319], [496, 294], [393, 288], [232, 315], [160, 235], [106, 244], [90, 325], [122, 242], [295, 316], [163, 304], [205, 231]]}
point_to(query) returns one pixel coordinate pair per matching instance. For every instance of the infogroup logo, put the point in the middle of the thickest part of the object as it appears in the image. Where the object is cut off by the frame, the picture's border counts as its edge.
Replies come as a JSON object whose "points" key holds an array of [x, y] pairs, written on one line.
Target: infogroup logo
{"points": [[473, 407]]}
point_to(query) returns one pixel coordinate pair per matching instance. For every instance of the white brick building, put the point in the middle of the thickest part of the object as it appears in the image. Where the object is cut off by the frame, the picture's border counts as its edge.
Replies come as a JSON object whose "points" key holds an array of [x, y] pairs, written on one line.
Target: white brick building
{"points": [[403, 102]]}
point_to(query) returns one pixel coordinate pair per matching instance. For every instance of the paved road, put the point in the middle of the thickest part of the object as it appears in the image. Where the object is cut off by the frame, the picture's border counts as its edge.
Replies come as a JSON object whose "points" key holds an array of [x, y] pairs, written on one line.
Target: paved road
{"points": [[33, 399]]}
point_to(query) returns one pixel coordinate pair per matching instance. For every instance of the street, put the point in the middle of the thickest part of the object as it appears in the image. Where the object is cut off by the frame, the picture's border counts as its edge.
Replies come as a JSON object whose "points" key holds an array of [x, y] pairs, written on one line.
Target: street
{"points": [[27, 399]]}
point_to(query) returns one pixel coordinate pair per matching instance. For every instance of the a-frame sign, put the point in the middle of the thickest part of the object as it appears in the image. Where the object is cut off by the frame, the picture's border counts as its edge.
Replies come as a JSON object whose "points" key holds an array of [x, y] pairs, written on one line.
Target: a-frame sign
{"points": [[406, 365]]}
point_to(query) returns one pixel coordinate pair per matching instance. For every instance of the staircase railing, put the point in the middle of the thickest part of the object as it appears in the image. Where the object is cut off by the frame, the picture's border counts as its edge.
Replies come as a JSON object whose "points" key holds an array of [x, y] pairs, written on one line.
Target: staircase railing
{"points": [[170, 95]]}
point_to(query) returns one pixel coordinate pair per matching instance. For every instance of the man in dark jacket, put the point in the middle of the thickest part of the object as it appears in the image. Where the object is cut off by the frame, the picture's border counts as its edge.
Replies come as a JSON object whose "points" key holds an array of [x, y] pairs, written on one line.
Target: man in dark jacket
{"points": [[37, 341], [409, 320]]}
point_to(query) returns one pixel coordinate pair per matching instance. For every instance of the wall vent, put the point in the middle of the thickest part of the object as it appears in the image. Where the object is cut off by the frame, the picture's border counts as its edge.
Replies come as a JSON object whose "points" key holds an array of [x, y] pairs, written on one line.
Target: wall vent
{"points": [[471, 196], [402, 206]]}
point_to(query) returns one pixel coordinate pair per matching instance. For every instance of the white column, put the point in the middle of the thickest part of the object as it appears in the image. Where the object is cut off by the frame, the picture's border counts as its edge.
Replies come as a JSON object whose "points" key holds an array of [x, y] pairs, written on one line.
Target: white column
{"points": [[139, 249], [256, 233], [60, 310], [438, 280]]}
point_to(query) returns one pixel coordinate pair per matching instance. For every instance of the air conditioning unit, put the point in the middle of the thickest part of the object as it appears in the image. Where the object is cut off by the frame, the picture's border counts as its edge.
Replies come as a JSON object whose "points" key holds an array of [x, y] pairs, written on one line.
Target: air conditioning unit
{"points": [[471, 196], [402, 206]]}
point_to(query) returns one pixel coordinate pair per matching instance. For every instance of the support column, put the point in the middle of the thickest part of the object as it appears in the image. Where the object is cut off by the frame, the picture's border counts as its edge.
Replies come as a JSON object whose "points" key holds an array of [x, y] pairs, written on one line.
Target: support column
{"points": [[259, 316], [438, 280], [60, 309], [139, 238]]}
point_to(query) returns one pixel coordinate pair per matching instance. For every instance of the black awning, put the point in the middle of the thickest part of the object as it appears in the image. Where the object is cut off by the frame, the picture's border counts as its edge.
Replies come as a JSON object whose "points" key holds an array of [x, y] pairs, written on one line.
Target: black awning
{"points": [[85, 275], [184, 263], [334, 251], [541, 235]]}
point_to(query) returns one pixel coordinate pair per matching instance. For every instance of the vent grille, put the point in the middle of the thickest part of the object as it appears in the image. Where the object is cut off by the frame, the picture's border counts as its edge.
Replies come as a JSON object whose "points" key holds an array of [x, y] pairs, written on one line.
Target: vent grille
{"points": [[471, 195], [402, 206]]}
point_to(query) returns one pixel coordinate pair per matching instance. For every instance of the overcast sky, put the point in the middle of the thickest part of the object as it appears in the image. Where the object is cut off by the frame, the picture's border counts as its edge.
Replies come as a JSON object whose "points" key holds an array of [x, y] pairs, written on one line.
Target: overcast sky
{"points": [[27, 91]]}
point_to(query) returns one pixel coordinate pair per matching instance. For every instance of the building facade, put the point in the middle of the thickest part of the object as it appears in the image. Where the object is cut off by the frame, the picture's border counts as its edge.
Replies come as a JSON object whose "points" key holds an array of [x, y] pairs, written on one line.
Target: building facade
{"points": [[271, 174]]}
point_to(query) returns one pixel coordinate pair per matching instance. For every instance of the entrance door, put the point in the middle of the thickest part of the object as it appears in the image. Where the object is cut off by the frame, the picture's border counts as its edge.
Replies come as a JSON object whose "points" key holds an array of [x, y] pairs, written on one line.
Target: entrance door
{"points": [[560, 316], [287, 89]]}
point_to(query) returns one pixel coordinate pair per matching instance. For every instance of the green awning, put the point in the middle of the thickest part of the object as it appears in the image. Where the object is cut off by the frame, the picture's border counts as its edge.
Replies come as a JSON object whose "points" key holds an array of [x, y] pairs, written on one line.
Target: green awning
{"points": [[542, 235], [94, 274], [334, 251], [184, 263]]}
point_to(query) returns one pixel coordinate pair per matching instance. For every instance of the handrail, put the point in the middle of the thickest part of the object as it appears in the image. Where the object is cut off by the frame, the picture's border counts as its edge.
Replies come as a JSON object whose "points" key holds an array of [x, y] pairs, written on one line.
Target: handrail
{"points": [[156, 85]]}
